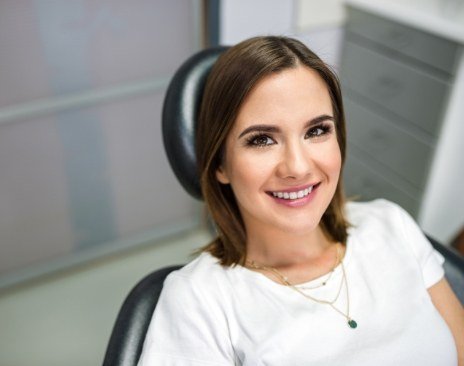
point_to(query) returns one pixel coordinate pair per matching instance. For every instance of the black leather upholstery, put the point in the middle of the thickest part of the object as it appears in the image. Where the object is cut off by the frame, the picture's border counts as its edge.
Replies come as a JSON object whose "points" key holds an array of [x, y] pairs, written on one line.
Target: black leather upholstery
{"points": [[128, 335], [180, 110], [179, 120]]}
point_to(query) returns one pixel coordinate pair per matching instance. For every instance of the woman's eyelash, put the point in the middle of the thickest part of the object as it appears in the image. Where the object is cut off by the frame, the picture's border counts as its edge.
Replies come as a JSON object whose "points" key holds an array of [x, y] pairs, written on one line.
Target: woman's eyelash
{"points": [[259, 140], [319, 130]]}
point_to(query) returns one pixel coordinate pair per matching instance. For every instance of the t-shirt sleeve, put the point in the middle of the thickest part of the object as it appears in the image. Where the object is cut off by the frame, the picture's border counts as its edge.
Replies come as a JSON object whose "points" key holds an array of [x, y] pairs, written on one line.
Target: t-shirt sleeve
{"points": [[429, 259], [186, 329]]}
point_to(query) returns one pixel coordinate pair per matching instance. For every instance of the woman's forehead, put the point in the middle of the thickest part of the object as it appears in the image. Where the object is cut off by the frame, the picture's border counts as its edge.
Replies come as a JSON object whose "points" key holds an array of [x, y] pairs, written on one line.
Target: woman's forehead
{"points": [[292, 94]]}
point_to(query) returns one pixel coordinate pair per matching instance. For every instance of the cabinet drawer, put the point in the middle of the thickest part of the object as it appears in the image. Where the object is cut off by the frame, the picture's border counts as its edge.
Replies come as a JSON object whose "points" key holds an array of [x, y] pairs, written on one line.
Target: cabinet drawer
{"points": [[365, 184], [407, 92], [424, 47], [385, 142]]}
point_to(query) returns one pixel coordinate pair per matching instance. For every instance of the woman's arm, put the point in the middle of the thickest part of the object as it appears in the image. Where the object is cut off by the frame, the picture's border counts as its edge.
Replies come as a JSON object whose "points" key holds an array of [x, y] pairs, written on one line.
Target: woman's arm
{"points": [[452, 312]]}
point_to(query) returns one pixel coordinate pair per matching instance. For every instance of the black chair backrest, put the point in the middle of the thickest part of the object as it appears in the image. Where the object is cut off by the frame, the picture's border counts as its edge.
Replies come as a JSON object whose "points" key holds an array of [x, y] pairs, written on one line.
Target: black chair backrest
{"points": [[128, 335], [180, 111]]}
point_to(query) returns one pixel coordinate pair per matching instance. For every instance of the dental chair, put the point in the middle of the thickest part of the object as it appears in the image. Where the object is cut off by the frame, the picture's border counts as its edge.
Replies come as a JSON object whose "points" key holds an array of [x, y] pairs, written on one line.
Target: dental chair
{"points": [[180, 109]]}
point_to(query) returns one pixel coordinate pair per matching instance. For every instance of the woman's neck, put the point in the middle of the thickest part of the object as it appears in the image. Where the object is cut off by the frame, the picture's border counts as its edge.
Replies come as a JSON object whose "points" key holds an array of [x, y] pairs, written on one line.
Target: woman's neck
{"points": [[282, 249], [300, 258]]}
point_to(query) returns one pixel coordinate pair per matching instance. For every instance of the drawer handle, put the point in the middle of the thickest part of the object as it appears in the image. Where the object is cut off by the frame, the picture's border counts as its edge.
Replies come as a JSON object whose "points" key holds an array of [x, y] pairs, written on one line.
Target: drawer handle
{"points": [[385, 87]]}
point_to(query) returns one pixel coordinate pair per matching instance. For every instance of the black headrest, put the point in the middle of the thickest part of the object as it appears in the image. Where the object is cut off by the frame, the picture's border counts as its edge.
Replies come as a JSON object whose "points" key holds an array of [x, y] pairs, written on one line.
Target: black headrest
{"points": [[180, 112]]}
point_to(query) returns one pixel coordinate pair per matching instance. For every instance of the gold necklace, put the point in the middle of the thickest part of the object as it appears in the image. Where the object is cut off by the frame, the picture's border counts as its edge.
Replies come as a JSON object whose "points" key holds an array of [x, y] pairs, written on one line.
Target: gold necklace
{"points": [[351, 322], [285, 280], [337, 260]]}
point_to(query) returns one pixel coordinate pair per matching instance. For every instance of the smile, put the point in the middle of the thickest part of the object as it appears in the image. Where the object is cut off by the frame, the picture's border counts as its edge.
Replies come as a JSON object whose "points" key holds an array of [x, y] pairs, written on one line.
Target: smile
{"points": [[293, 195]]}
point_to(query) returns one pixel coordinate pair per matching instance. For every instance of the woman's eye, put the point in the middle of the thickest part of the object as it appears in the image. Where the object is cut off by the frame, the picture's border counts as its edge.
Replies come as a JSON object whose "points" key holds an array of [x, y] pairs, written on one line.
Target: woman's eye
{"points": [[260, 141], [318, 131]]}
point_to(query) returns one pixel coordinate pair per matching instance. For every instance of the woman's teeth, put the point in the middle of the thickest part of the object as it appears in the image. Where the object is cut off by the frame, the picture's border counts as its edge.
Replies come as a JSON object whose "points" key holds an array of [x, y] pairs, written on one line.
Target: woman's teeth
{"points": [[293, 195]]}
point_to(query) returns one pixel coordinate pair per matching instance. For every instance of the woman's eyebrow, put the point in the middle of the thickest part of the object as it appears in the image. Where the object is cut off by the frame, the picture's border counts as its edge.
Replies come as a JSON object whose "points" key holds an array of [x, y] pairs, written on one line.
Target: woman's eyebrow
{"points": [[259, 128], [275, 129], [319, 119]]}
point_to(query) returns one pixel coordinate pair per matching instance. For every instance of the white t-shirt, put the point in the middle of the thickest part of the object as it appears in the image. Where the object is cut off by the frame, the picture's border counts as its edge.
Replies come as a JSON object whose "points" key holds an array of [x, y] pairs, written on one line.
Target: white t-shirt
{"points": [[213, 315]]}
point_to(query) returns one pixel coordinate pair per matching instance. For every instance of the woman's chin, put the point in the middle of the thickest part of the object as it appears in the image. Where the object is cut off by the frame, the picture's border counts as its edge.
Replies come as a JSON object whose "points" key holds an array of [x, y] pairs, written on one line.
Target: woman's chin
{"points": [[297, 228]]}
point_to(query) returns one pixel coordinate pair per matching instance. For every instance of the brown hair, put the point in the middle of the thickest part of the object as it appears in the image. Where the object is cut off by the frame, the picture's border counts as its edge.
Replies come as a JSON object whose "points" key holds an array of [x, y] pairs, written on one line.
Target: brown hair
{"points": [[232, 77]]}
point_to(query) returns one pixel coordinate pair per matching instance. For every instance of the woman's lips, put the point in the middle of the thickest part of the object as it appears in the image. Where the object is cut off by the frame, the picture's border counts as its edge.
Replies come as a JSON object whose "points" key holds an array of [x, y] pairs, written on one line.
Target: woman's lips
{"points": [[295, 197]]}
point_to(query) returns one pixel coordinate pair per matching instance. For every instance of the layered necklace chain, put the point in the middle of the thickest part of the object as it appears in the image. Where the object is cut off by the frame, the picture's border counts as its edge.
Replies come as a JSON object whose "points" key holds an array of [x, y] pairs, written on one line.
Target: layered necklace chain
{"points": [[300, 289]]}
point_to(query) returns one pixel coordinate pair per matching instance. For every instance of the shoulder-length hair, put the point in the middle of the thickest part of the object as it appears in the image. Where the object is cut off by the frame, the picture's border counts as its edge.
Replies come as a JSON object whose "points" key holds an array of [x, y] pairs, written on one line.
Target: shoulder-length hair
{"points": [[232, 77]]}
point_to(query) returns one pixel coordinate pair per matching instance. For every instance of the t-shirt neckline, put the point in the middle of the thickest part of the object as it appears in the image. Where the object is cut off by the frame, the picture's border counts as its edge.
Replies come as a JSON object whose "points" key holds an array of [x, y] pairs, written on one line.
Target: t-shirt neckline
{"points": [[259, 277]]}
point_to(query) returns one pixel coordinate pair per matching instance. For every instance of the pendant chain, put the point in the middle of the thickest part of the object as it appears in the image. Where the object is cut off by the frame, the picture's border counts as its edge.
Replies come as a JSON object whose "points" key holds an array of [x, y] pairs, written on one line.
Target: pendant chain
{"points": [[337, 261], [284, 280]]}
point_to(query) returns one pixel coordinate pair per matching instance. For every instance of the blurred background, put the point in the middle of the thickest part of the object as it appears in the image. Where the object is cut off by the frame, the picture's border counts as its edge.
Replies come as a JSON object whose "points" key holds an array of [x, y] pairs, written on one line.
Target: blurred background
{"points": [[88, 203]]}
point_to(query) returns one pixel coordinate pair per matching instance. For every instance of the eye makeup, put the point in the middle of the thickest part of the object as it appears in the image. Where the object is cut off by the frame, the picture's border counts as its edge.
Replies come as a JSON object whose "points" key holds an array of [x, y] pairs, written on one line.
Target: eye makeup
{"points": [[259, 139], [321, 130], [262, 135], [264, 138]]}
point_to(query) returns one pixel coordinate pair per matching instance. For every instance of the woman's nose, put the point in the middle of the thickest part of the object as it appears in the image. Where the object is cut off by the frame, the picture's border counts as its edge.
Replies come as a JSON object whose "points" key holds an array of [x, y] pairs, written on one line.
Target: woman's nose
{"points": [[295, 162]]}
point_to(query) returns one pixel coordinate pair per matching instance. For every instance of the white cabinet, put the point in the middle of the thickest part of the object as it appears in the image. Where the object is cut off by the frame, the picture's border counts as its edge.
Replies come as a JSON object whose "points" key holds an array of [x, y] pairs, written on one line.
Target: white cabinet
{"points": [[397, 80]]}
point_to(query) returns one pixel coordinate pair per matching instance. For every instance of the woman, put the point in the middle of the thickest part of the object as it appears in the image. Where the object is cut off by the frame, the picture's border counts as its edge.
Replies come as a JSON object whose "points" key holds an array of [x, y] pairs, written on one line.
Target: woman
{"points": [[296, 276]]}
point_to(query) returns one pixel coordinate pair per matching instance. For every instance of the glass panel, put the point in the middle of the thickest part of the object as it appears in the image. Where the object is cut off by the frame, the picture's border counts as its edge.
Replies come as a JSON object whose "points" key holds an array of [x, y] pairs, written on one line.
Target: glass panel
{"points": [[55, 47], [89, 175]]}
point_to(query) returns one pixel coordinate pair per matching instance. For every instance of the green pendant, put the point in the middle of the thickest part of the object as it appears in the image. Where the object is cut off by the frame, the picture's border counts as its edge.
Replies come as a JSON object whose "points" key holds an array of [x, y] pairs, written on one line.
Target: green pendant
{"points": [[352, 323]]}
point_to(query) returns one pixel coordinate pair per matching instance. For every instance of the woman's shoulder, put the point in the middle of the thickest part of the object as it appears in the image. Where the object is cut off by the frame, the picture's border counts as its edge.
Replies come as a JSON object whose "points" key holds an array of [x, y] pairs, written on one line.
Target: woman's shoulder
{"points": [[378, 211], [203, 265], [386, 227], [202, 272], [378, 218]]}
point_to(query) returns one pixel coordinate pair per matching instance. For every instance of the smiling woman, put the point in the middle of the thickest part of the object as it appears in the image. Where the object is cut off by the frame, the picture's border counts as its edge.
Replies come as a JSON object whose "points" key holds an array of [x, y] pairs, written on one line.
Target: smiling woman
{"points": [[295, 151], [296, 275], [269, 91]]}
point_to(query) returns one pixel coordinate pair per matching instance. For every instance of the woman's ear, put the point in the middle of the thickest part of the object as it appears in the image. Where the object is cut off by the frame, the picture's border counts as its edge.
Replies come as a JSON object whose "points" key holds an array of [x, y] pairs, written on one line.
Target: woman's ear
{"points": [[221, 175]]}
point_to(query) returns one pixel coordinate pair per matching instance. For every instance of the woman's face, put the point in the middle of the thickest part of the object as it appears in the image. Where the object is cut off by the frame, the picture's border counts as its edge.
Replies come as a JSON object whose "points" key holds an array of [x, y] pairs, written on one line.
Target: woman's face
{"points": [[282, 157]]}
